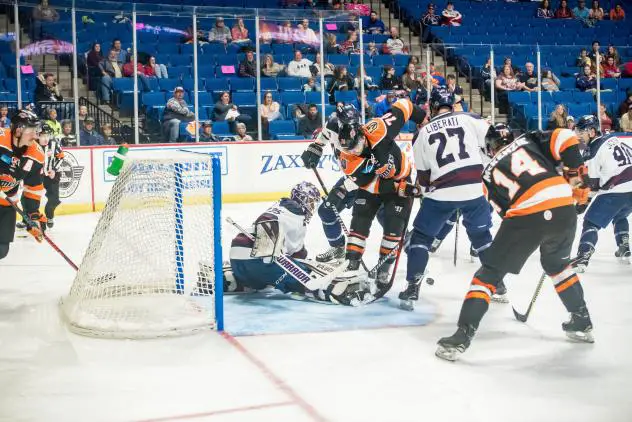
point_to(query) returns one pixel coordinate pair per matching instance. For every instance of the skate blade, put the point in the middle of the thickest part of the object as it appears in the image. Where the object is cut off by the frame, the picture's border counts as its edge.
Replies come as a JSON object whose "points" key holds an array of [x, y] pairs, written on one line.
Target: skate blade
{"points": [[450, 354], [500, 299], [625, 260], [580, 336], [407, 305], [580, 269]]}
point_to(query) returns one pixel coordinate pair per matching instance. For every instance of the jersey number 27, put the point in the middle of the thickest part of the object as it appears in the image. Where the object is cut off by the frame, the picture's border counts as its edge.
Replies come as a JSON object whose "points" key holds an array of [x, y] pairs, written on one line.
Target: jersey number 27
{"points": [[521, 161], [443, 160]]}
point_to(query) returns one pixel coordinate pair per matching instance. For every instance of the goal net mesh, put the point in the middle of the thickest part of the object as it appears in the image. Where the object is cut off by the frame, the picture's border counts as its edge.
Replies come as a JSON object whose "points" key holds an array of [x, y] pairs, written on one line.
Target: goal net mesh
{"points": [[151, 251]]}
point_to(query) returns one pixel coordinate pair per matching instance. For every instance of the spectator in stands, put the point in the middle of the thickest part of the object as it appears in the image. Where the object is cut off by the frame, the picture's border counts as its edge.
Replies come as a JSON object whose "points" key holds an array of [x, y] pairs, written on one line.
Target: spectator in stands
{"points": [[121, 54], [5, 122], [506, 81], [206, 133], [609, 69], [83, 113], [625, 105], [507, 62], [310, 122], [626, 69], [94, 57], [596, 12], [156, 70], [331, 45], [128, 72], [239, 33], [241, 134], [88, 135], [411, 81], [315, 68], [307, 34], [544, 11], [529, 78], [607, 122], [373, 25], [583, 59], [363, 78], [286, 33], [612, 52], [625, 124], [336, 5], [248, 67], [437, 77], [44, 12], [389, 80], [106, 133], [110, 68], [581, 12], [563, 12], [270, 68], [450, 16], [67, 138], [570, 123], [299, 67], [617, 14], [350, 45], [368, 108], [587, 80], [487, 75], [550, 82], [371, 49], [351, 25], [225, 110], [269, 110], [394, 44], [341, 81], [311, 85], [457, 91], [47, 89], [384, 103], [50, 118], [557, 118], [220, 33], [596, 49], [428, 20], [176, 111]]}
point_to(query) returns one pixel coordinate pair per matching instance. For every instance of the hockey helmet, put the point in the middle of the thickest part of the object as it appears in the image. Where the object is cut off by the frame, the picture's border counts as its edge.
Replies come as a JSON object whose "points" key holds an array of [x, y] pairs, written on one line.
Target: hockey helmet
{"points": [[587, 122], [347, 114], [25, 119], [441, 98], [497, 137], [47, 129], [307, 196]]}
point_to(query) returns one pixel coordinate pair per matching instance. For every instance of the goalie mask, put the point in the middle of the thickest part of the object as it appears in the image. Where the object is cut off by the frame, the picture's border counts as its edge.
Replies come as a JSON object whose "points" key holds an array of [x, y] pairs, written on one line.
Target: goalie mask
{"points": [[307, 196]]}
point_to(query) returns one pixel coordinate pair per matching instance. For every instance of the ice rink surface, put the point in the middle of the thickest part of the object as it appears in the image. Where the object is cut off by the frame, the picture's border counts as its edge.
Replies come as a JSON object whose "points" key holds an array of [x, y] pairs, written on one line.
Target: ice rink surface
{"points": [[513, 372]]}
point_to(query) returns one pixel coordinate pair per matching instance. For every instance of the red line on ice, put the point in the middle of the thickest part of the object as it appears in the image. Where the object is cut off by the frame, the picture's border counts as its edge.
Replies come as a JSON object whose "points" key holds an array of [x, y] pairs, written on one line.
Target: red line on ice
{"points": [[220, 412]]}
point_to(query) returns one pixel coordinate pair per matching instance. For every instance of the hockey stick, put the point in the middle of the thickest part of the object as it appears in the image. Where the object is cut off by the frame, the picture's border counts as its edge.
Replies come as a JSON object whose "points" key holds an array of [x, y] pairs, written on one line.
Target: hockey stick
{"points": [[338, 217], [30, 222], [456, 236], [289, 266], [521, 317]]}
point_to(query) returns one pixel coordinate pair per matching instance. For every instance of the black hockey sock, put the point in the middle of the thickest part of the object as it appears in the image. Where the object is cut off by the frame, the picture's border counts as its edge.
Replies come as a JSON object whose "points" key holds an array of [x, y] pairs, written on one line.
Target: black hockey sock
{"points": [[4, 250], [569, 289]]}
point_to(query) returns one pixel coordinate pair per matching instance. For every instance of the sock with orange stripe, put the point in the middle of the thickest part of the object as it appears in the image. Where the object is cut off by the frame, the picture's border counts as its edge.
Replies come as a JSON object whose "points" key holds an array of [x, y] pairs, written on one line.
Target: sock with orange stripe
{"points": [[569, 289], [477, 299]]}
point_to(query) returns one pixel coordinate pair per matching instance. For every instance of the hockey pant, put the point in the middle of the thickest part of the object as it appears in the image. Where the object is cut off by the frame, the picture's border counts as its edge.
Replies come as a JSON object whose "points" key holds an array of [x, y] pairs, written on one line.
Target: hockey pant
{"points": [[331, 224], [605, 208], [52, 196], [256, 274], [551, 231], [7, 229], [432, 218], [365, 208]]}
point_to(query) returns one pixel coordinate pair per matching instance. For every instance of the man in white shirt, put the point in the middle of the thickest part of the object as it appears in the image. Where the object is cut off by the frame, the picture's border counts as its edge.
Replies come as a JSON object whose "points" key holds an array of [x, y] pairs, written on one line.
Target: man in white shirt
{"points": [[299, 67]]}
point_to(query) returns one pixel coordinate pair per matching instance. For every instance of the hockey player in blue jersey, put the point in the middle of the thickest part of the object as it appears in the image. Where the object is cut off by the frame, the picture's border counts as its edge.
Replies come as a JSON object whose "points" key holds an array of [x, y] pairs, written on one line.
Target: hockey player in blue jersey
{"points": [[281, 230], [609, 162], [449, 166]]}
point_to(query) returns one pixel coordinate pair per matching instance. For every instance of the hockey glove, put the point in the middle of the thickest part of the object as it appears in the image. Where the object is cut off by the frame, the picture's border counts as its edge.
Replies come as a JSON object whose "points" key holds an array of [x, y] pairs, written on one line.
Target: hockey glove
{"points": [[580, 195], [36, 225], [577, 177], [7, 182], [336, 197], [580, 209], [406, 189], [311, 156]]}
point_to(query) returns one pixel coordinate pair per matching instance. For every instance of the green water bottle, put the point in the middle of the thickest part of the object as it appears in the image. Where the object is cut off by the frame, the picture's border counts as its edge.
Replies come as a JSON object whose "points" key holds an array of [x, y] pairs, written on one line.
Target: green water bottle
{"points": [[118, 160]]}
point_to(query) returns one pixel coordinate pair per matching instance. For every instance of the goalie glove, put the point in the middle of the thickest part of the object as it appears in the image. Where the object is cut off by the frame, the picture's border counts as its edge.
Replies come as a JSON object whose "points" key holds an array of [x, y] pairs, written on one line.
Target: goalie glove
{"points": [[406, 189], [7, 182], [311, 156], [36, 225]]}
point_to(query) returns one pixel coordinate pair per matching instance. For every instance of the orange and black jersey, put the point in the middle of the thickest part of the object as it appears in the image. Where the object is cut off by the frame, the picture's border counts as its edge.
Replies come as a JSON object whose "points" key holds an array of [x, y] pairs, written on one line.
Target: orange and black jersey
{"points": [[383, 158], [23, 164], [522, 178]]}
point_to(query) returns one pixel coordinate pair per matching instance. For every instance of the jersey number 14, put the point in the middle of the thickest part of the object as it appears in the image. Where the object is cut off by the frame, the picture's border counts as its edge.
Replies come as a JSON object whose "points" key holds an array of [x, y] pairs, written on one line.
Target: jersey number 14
{"points": [[521, 161]]}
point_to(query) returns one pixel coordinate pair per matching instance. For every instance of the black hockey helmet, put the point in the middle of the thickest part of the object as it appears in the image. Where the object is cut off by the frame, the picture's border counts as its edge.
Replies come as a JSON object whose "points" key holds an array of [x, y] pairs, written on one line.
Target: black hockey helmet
{"points": [[497, 137], [587, 122], [441, 98], [25, 119], [348, 114], [47, 129]]}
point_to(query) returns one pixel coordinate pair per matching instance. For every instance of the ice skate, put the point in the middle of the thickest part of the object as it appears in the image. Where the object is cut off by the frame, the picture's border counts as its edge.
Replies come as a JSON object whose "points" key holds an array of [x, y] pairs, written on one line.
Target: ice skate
{"points": [[20, 225], [435, 245], [581, 261], [623, 252], [50, 223], [473, 254], [408, 297], [579, 327], [335, 253], [451, 347], [501, 293]]}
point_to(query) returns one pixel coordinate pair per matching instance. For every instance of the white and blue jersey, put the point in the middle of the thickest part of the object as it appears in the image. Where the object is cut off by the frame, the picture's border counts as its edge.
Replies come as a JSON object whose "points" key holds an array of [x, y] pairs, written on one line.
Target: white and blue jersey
{"points": [[609, 162]]}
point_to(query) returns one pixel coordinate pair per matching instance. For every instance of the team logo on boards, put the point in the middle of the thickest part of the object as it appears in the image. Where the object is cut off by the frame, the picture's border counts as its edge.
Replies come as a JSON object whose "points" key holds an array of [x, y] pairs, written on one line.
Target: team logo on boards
{"points": [[275, 162], [70, 175]]}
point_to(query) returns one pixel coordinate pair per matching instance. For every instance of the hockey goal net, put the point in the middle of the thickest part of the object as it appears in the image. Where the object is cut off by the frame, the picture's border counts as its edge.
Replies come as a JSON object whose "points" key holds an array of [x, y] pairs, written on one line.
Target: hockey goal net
{"points": [[156, 242]]}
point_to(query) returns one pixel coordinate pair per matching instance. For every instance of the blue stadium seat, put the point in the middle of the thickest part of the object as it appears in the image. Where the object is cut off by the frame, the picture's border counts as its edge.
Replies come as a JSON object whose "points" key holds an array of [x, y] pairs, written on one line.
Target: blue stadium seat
{"points": [[269, 84], [382, 60], [244, 98], [313, 98], [227, 60], [242, 84], [168, 84], [338, 59], [625, 84], [168, 48], [180, 71], [354, 60], [564, 97], [204, 98], [205, 71], [345, 96], [189, 84], [282, 127], [152, 84], [221, 128], [610, 83], [283, 49], [180, 60], [519, 97], [582, 97], [579, 109], [282, 137], [290, 84], [150, 99], [217, 85], [567, 84], [214, 48], [293, 97], [401, 59]]}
